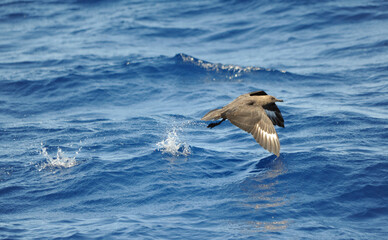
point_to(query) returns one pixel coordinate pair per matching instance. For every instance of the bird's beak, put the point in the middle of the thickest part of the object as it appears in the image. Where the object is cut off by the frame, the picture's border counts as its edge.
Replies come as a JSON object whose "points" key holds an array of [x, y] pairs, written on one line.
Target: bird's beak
{"points": [[278, 100]]}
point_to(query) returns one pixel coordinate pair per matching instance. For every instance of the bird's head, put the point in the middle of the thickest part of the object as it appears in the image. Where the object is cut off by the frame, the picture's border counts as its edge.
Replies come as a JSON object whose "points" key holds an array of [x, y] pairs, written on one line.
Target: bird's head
{"points": [[270, 99]]}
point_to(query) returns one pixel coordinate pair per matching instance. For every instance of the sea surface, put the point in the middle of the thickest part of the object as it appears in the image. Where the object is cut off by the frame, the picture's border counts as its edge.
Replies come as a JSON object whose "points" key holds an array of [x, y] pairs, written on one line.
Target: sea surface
{"points": [[100, 130]]}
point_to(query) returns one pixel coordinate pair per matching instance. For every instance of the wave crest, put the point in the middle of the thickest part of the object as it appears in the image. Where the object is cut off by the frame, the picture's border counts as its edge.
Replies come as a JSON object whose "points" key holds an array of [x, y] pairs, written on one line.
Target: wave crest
{"points": [[233, 71]]}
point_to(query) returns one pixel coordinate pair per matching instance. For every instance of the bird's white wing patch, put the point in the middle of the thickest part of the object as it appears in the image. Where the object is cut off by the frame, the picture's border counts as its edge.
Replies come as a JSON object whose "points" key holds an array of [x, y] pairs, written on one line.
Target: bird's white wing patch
{"points": [[267, 140], [267, 135]]}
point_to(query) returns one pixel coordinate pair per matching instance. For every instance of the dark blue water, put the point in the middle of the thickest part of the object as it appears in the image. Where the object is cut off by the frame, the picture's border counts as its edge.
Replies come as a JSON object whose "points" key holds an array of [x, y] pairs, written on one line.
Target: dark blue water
{"points": [[100, 131]]}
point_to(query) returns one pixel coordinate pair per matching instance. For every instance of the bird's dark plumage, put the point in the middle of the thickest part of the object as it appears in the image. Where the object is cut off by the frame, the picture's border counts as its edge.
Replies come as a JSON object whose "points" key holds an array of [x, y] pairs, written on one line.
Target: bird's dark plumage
{"points": [[256, 113]]}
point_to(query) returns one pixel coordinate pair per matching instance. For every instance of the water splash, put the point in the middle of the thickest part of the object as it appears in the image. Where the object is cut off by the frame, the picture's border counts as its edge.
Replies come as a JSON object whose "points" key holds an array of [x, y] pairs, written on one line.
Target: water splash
{"points": [[60, 161], [173, 145]]}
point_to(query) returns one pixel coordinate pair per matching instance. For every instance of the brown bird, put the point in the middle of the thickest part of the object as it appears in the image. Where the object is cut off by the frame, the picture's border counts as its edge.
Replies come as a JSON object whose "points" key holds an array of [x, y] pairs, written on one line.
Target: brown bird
{"points": [[256, 113]]}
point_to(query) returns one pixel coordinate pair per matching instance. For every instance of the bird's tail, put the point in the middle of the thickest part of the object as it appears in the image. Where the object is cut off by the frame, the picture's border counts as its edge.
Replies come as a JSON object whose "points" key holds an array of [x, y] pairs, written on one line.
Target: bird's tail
{"points": [[212, 115]]}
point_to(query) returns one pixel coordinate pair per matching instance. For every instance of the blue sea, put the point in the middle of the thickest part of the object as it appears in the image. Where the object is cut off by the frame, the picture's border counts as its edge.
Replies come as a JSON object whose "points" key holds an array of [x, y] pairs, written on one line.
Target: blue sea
{"points": [[100, 130]]}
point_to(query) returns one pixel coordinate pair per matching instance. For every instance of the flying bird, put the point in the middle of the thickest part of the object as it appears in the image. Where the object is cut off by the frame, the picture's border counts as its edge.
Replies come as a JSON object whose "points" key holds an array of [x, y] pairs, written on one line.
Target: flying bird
{"points": [[255, 113]]}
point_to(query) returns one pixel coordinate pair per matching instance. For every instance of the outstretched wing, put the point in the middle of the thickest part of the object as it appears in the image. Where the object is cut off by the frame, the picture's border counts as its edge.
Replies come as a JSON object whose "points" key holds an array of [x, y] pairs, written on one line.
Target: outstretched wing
{"points": [[257, 93], [274, 114], [254, 120]]}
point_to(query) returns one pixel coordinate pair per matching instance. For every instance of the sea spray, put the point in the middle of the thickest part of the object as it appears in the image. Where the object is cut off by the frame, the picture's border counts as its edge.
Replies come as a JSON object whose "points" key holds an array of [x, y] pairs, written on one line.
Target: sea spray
{"points": [[60, 161], [173, 145]]}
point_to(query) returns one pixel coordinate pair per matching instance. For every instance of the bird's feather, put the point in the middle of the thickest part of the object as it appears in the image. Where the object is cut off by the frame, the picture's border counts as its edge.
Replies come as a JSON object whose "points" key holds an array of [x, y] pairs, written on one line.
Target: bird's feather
{"points": [[255, 121], [258, 93], [274, 114]]}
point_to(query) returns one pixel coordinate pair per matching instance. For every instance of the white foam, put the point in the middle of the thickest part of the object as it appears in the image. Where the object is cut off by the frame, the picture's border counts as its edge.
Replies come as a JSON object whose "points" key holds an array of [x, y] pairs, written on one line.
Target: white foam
{"points": [[173, 145], [60, 161]]}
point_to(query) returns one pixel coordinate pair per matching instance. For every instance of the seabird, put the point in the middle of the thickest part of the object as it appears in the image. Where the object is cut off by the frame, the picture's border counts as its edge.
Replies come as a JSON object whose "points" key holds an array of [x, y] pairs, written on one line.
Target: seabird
{"points": [[255, 113]]}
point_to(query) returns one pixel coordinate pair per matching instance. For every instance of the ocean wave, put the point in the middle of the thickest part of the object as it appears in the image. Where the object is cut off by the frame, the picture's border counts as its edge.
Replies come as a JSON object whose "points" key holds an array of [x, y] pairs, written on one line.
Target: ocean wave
{"points": [[230, 71], [132, 79]]}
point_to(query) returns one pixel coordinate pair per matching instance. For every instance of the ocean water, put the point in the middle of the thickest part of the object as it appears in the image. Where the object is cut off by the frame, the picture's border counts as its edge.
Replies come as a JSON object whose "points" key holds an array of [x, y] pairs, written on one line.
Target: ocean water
{"points": [[100, 130]]}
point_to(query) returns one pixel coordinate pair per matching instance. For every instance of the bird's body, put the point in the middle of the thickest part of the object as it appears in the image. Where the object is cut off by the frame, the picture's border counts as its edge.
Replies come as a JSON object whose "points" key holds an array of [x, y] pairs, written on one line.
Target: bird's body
{"points": [[256, 113]]}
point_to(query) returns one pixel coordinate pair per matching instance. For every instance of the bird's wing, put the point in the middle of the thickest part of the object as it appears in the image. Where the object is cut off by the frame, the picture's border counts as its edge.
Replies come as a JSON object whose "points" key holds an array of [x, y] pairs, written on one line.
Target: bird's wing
{"points": [[257, 93], [254, 120], [274, 114], [243, 97]]}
